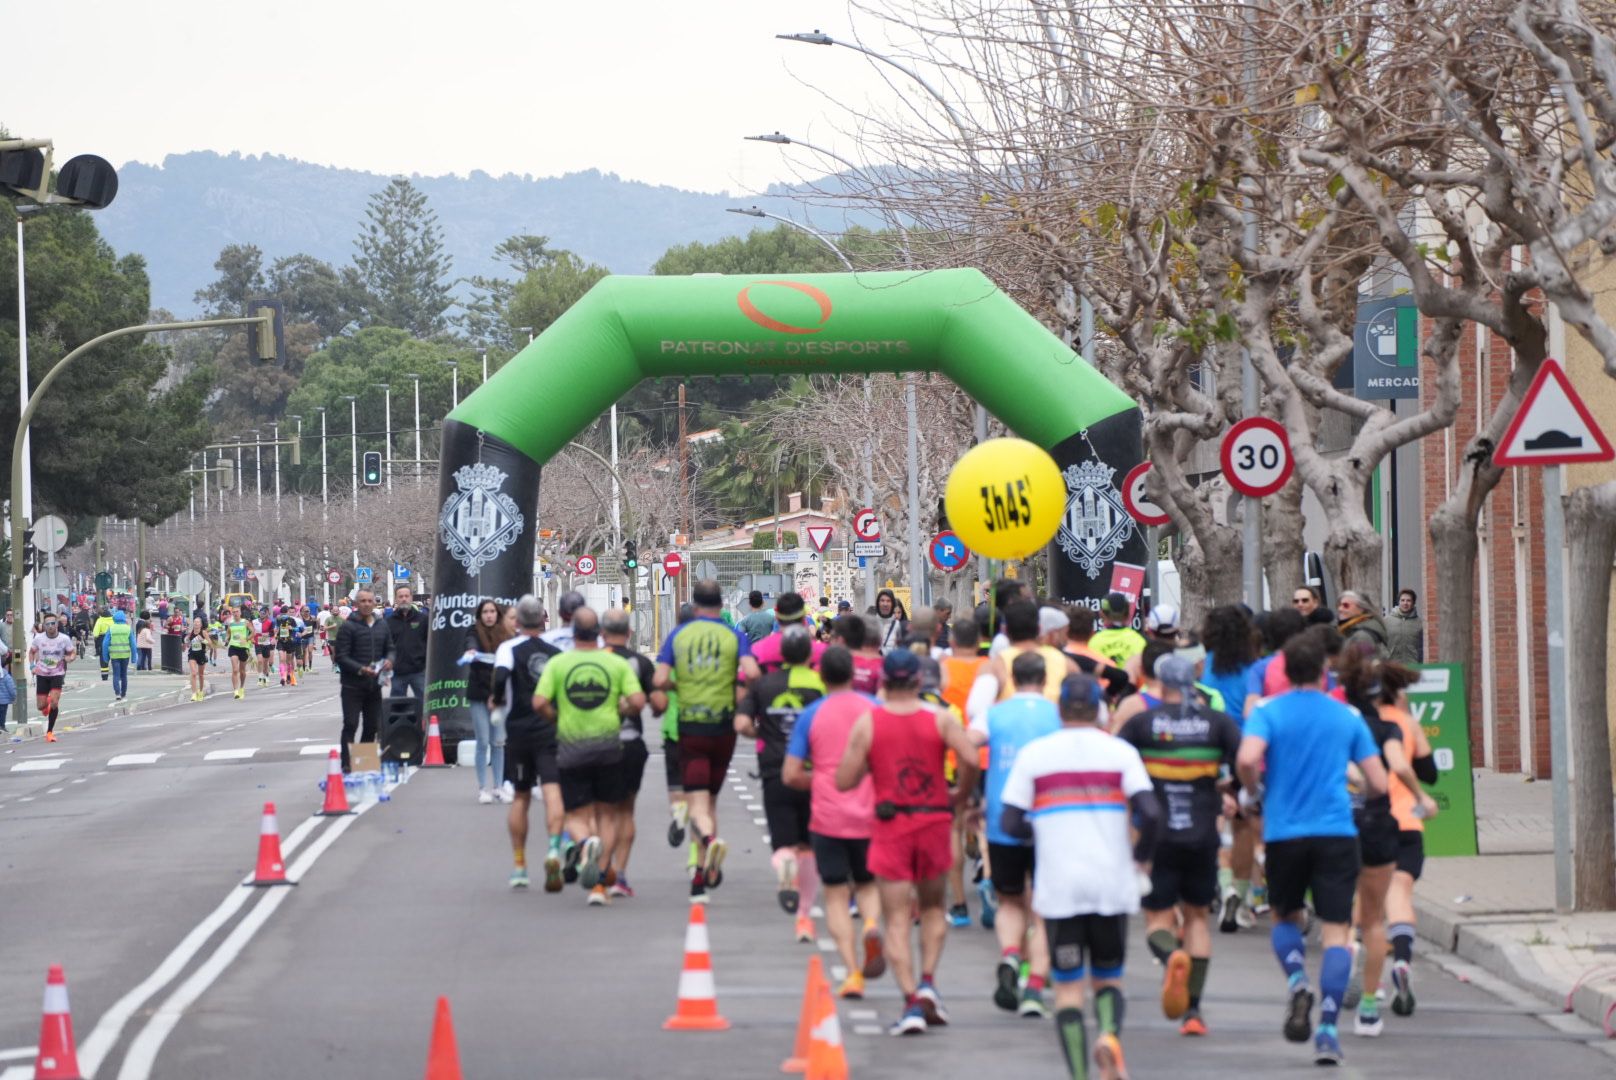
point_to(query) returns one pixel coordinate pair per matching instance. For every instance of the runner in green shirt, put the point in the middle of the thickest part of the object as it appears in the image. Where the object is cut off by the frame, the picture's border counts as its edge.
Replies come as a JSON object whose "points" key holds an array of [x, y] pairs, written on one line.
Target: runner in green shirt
{"points": [[238, 634], [588, 690]]}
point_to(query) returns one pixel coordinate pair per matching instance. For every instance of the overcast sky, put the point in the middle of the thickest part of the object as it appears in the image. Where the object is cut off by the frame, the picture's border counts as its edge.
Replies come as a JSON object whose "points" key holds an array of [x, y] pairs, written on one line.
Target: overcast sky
{"points": [[651, 90]]}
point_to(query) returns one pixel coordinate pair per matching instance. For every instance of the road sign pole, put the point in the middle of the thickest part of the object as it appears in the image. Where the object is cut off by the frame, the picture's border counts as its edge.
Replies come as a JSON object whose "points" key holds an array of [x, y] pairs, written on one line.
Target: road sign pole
{"points": [[1559, 758], [1152, 563]]}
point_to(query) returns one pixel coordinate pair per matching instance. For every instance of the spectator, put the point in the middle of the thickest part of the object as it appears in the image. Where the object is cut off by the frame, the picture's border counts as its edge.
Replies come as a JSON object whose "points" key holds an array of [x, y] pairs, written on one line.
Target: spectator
{"points": [[1405, 632], [941, 638], [759, 621], [363, 652], [1359, 624], [894, 621], [145, 641], [407, 628], [1310, 604]]}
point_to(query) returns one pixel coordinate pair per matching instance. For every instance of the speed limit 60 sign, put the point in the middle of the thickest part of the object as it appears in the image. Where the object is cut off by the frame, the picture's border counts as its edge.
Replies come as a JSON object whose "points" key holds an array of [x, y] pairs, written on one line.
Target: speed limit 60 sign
{"points": [[1257, 457]]}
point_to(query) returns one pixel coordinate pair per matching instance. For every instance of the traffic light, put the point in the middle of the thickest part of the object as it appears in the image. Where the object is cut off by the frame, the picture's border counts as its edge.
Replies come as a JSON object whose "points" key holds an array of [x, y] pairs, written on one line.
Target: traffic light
{"points": [[631, 556], [373, 468], [267, 348]]}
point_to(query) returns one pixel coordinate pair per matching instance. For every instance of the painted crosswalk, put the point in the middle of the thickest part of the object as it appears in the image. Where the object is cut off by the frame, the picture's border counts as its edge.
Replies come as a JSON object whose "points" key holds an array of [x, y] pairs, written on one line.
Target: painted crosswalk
{"points": [[241, 754], [179, 758], [134, 759]]}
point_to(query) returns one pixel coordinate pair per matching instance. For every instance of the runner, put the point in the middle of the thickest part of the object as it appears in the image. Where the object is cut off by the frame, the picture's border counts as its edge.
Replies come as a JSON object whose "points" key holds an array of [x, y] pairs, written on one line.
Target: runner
{"points": [[238, 636], [1003, 731], [1185, 746], [1079, 631], [1306, 741], [49, 653], [561, 636], [789, 611], [851, 631], [840, 822], [1411, 809], [263, 628], [1119, 642], [530, 741], [902, 746], [286, 647], [1024, 624], [769, 713], [960, 668], [216, 637], [197, 643], [708, 658], [587, 690], [615, 629], [673, 771], [1075, 793]]}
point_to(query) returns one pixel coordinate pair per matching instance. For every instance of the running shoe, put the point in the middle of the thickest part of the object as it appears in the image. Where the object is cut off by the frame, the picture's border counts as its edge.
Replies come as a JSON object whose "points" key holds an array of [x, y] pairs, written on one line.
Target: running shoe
{"points": [[931, 1004], [990, 902], [959, 915], [1175, 991], [1032, 1005], [553, 880], [676, 827], [1354, 992], [805, 930], [912, 1022], [240, 693], [621, 888], [485, 796], [1246, 917], [519, 877], [1108, 1057], [1231, 912], [875, 957], [1008, 977], [1259, 900], [1299, 1015], [507, 792], [1192, 1024], [852, 987], [1327, 1046], [589, 863], [786, 874], [1403, 984], [569, 862], [597, 896], [713, 863], [698, 886], [1368, 1022]]}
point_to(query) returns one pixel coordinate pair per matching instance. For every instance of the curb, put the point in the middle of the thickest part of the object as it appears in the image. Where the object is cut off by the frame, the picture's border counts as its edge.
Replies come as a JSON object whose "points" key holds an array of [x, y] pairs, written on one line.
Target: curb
{"points": [[113, 712], [1593, 1001]]}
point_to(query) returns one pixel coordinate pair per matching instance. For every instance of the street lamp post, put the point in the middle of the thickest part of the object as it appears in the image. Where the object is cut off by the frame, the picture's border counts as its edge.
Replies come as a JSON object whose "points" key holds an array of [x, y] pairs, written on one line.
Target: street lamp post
{"points": [[353, 435], [417, 380], [759, 212], [454, 383], [325, 489], [485, 365], [387, 431]]}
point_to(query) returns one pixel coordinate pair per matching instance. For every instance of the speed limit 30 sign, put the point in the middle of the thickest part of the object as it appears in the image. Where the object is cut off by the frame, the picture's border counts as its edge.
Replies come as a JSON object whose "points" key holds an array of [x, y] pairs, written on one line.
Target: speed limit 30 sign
{"points": [[1257, 457]]}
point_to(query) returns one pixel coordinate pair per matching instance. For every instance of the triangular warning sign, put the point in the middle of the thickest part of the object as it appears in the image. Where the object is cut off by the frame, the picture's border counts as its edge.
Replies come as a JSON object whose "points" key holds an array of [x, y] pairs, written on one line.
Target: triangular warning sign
{"points": [[1552, 426], [819, 536]]}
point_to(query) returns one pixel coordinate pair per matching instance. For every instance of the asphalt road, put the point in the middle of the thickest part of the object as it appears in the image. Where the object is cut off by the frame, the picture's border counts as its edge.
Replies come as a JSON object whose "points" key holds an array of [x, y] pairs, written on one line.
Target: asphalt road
{"points": [[126, 869]]}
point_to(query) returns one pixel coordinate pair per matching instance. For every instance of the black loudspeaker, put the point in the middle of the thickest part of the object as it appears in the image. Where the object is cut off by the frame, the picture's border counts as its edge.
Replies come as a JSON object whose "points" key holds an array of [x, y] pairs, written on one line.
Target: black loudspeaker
{"points": [[401, 737]]}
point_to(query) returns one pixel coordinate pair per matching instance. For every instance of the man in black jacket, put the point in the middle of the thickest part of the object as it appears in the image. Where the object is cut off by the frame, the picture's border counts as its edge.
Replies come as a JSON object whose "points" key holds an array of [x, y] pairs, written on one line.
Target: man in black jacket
{"points": [[363, 651], [406, 627]]}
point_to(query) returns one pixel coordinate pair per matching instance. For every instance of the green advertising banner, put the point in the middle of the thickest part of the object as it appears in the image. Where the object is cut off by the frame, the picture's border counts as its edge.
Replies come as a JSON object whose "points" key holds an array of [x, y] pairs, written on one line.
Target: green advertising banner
{"points": [[1437, 703]]}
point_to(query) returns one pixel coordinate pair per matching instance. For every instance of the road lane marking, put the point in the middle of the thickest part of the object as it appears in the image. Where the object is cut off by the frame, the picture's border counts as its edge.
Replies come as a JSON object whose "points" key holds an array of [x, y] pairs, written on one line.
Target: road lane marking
{"points": [[134, 759], [39, 764], [760, 821], [322, 750], [110, 1027], [143, 1051], [56, 791], [866, 1029], [18, 1053], [230, 755]]}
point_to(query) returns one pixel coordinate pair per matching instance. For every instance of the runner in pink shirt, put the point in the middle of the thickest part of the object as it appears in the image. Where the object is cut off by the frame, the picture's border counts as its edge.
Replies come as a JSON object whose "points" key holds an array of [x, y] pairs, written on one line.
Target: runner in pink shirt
{"points": [[839, 822], [789, 610]]}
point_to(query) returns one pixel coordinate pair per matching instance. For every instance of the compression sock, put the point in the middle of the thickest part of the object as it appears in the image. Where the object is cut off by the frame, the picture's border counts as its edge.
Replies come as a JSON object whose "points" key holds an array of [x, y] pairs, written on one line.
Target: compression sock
{"points": [[695, 854], [1334, 973], [1242, 887], [807, 880], [1161, 943], [1074, 1043], [1198, 966], [53, 712], [1402, 936], [1291, 951], [1109, 1006]]}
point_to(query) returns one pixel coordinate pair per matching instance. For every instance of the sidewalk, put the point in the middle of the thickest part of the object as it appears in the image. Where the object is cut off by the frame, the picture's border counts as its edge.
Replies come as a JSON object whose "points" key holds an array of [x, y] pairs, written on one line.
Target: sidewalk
{"points": [[87, 701], [1497, 909]]}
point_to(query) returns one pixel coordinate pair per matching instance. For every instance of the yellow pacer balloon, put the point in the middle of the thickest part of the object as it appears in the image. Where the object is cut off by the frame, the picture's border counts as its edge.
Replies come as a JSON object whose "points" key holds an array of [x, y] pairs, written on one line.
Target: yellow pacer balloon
{"points": [[1005, 498]]}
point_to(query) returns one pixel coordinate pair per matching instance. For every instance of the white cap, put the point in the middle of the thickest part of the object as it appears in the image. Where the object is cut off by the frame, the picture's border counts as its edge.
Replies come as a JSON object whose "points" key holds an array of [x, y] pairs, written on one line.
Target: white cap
{"points": [[1162, 618], [1050, 619]]}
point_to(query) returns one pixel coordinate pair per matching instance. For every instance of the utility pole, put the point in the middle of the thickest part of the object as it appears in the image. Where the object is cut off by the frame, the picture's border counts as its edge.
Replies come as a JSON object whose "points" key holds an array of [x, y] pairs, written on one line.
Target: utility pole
{"points": [[684, 483]]}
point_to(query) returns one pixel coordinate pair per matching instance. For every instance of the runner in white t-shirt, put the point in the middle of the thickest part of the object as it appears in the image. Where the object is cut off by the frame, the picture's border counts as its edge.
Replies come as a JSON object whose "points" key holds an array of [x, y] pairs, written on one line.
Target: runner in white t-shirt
{"points": [[49, 653], [1074, 794]]}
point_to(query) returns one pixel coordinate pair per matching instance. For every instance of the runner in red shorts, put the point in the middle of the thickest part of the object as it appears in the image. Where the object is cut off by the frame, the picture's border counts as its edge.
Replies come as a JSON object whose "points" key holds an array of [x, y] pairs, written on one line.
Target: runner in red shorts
{"points": [[902, 746]]}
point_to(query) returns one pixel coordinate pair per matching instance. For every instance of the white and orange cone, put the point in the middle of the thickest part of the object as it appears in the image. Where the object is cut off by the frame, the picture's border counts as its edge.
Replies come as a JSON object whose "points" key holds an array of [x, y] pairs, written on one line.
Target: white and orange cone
{"points": [[698, 997], [57, 1057], [434, 747], [271, 868], [827, 1057], [336, 795]]}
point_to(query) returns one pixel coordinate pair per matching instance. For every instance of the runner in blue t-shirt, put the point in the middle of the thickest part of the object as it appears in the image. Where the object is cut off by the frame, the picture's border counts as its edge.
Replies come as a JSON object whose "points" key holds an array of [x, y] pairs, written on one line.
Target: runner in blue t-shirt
{"points": [[1004, 729], [1294, 760]]}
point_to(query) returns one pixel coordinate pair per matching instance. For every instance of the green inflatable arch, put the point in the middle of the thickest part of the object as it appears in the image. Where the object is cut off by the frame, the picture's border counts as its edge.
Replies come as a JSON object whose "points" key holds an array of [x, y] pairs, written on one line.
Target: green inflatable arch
{"points": [[955, 322]]}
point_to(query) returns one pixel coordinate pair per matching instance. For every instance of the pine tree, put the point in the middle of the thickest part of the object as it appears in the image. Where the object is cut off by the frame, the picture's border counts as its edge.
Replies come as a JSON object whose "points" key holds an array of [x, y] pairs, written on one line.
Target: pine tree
{"points": [[401, 261]]}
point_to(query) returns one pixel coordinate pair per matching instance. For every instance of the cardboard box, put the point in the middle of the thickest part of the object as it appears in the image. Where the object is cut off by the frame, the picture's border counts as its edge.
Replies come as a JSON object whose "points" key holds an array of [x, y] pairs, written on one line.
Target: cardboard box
{"points": [[364, 757]]}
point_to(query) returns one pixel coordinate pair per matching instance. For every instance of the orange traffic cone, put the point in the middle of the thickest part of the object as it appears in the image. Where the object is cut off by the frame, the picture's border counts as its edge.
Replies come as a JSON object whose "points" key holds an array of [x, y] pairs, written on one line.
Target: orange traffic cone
{"points": [[443, 1058], [57, 1058], [698, 998], [271, 870], [798, 1061], [434, 747], [336, 796], [827, 1059]]}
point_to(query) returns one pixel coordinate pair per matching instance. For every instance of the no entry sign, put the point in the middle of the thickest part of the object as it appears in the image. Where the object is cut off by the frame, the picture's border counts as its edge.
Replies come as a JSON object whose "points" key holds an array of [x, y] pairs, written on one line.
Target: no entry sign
{"points": [[672, 564]]}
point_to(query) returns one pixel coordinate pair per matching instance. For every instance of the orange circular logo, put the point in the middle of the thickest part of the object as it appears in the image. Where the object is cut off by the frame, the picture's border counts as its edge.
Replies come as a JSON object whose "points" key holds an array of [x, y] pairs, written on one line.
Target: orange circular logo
{"points": [[750, 310]]}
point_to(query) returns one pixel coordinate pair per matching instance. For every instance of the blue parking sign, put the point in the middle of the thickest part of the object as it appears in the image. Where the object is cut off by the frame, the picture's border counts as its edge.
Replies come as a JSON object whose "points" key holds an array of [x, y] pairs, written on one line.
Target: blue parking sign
{"points": [[401, 572]]}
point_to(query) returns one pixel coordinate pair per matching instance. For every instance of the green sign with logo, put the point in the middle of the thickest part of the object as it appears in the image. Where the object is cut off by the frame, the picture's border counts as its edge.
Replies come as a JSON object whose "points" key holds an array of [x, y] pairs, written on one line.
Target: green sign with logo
{"points": [[1437, 703]]}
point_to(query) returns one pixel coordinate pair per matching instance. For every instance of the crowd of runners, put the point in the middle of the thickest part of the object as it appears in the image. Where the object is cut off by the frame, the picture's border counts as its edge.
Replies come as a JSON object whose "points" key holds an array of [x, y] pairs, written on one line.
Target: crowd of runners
{"points": [[1058, 770]]}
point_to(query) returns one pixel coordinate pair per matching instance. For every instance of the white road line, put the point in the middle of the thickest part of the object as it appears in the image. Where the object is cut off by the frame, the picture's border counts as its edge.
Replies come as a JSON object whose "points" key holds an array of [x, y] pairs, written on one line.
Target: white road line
{"points": [[863, 1014], [134, 759], [323, 751], [826, 944], [143, 1051], [110, 1027], [18, 1053], [56, 791], [230, 755], [760, 821], [26, 798], [858, 1029], [18, 1072], [39, 764]]}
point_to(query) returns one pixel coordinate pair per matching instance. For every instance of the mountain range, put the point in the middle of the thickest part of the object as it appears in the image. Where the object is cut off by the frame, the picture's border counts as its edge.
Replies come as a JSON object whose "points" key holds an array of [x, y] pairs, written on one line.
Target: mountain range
{"points": [[181, 213]]}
